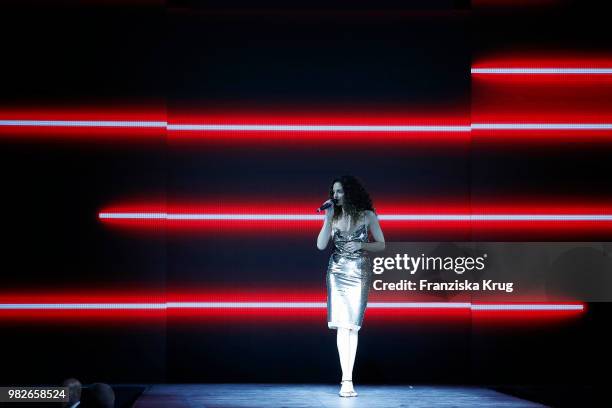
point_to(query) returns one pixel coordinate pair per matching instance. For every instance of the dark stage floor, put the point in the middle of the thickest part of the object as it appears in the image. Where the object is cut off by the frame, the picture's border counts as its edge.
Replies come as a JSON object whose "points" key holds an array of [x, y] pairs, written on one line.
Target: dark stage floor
{"points": [[317, 395]]}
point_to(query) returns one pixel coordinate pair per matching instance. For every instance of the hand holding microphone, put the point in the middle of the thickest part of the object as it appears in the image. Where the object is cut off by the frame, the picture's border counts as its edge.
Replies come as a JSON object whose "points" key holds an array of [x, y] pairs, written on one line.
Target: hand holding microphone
{"points": [[328, 206]]}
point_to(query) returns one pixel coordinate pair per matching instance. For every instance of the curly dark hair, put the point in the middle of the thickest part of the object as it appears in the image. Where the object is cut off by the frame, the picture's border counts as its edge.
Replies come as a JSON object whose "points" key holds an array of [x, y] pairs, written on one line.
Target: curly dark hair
{"points": [[356, 198]]}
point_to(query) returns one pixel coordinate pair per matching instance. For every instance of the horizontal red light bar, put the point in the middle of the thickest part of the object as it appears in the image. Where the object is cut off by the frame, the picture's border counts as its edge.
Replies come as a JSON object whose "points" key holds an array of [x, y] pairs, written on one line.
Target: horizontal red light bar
{"points": [[545, 60], [261, 306], [306, 128], [561, 70], [400, 221], [393, 217], [512, 129], [526, 307], [574, 88], [542, 71], [143, 123], [490, 117]]}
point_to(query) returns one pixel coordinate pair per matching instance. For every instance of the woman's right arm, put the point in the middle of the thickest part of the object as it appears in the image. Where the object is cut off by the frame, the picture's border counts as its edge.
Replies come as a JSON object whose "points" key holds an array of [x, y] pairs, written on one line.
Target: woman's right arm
{"points": [[325, 233]]}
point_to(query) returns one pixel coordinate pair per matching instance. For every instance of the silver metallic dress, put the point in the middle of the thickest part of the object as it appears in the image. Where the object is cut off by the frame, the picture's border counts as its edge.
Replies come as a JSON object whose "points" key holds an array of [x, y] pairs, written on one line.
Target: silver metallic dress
{"points": [[348, 279]]}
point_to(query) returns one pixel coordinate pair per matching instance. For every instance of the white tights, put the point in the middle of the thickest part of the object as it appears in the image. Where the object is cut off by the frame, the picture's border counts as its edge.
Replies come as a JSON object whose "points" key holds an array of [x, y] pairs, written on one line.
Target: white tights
{"points": [[347, 349]]}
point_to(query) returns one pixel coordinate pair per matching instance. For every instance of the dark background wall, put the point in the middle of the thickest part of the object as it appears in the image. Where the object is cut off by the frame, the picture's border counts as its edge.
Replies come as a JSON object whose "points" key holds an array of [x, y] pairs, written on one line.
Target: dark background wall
{"points": [[203, 57]]}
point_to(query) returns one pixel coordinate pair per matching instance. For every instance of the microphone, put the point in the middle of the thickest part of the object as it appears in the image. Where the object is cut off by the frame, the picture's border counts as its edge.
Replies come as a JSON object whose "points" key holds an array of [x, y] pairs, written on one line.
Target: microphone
{"points": [[326, 205]]}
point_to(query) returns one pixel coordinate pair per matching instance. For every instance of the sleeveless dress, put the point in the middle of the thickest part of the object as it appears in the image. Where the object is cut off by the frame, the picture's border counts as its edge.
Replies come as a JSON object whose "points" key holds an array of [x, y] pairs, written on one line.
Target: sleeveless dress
{"points": [[348, 280]]}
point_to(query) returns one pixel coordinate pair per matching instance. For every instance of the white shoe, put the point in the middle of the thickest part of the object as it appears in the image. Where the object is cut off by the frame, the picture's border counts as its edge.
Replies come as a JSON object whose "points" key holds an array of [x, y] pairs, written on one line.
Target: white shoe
{"points": [[347, 389]]}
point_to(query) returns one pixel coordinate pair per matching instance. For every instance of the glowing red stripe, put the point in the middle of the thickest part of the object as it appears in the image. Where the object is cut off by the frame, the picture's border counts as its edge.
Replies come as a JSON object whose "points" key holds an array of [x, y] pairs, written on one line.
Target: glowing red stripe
{"points": [[418, 220], [587, 118], [288, 305], [263, 306], [302, 128]]}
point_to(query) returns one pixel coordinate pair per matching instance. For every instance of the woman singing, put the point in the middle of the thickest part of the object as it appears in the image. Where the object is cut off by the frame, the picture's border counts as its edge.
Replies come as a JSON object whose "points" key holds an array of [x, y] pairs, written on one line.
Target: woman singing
{"points": [[349, 274]]}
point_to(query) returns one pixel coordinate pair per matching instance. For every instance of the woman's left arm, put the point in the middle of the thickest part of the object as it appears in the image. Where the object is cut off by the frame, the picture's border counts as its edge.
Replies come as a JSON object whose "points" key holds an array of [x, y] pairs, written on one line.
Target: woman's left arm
{"points": [[377, 234]]}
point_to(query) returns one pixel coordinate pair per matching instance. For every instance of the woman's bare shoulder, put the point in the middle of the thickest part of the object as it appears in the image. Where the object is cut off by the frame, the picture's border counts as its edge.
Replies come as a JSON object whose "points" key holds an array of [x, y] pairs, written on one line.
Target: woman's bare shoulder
{"points": [[369, 215]]}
